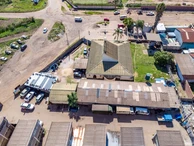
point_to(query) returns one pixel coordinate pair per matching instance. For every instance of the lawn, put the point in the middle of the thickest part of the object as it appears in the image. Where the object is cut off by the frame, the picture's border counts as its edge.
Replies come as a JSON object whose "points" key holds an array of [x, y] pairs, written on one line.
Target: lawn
{"points": [[93, 13], [21, 5], [15, 26], [143, 64], [90, 1], [57, 30]]}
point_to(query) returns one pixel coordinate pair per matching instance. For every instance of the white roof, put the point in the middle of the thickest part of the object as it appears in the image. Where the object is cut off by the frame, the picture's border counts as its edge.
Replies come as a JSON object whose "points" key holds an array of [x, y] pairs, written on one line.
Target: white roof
{"points": [[160, 27]]}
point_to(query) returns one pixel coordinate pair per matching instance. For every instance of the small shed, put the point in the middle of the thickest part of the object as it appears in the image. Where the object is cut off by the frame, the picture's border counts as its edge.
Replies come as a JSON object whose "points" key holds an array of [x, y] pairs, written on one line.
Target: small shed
{"points": [[160, 28], [153, 37], [59, 92]]}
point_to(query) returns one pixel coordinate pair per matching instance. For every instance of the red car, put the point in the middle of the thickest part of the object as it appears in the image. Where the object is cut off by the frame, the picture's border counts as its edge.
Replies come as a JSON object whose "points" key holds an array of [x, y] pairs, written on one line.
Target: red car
{"points": [[106, 19], [121, 25]]}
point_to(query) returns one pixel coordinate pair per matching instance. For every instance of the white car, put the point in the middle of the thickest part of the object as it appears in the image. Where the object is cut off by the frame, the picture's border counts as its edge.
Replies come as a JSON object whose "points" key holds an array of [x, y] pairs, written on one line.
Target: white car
{"points": [[150, 13], [27, 106], [39, 98], [3, 58], [29, 96], [45, 30]]}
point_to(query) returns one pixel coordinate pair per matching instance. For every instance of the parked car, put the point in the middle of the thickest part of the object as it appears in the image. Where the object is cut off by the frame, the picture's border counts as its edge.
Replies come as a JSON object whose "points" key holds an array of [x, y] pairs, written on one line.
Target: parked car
{"points": [[39, 98], [3, 58], [77, 74], [14, 46], [121, 25], [23, 47], [85, 51], [25, 92], [27, 106], [29, 96], [78, 19], [8, 52], [24, 37], [116, 12], [139, 12], [106, 19], [121, 30], [45, 30], [19, 42], [150, 13]]}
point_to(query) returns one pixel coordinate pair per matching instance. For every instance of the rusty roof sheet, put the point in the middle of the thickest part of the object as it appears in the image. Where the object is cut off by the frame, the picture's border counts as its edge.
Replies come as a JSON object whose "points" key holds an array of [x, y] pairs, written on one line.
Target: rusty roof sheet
{"points": [[170, 138], [132, 136], [95, 135], [187, 35]]}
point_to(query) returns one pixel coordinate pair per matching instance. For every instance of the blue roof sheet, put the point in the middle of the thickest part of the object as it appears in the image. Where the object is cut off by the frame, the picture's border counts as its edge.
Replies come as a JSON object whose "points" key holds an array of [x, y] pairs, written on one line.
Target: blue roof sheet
{"points": [[167, 117]]}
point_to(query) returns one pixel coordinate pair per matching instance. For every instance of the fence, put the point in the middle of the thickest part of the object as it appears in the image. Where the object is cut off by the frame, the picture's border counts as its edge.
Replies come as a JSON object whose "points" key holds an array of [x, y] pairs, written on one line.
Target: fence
{"points": [[170, 8]]}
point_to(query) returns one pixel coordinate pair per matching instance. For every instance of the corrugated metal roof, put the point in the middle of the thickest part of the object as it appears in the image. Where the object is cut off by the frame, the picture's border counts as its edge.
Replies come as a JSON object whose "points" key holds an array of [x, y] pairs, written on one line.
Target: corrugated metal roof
{"points": [[187, 34], [153, 37], [95, 135], [169, 138], [109, 58], [59, 134], [22, 133], [59, 92], [132, 136], [98, 107], [185, 63], [126, 93]]}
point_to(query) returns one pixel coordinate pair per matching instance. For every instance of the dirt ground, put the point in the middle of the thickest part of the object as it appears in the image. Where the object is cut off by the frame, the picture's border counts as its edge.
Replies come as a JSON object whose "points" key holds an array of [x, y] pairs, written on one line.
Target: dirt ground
{"points": [[40, 52]]}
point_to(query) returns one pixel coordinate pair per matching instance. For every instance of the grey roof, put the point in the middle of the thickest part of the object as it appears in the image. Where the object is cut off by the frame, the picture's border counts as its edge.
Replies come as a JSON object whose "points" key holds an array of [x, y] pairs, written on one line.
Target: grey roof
{"points": [[185, 63], [41, 81], [169, 138], [22, 133], [109, 58], [80, 63], [126, 93], [59, 134], [132, 136], [95, 135], [153, 37]]}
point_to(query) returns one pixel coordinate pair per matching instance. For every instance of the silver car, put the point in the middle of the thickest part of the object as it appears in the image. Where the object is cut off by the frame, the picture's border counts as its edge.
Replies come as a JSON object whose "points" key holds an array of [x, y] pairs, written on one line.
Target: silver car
{"points": [[39, 98], [29, 96]]}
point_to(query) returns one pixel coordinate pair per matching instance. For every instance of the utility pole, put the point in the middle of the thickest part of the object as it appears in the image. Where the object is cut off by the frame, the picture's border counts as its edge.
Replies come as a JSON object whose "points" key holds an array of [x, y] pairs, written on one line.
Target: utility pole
{"points": [[79, 33], [67, 39]]}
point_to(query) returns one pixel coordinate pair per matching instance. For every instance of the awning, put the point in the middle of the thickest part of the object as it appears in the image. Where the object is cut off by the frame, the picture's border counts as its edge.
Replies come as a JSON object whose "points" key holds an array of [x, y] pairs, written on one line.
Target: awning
{"points": [[153, 37], [168, 117], [101, 108]]}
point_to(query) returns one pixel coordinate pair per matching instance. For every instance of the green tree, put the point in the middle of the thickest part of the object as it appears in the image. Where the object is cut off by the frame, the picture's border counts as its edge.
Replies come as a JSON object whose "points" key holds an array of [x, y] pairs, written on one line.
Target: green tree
{"points": [[163, 58], [72, 99], [118, 33], [140, 23], [160, 8], [128, 22]]}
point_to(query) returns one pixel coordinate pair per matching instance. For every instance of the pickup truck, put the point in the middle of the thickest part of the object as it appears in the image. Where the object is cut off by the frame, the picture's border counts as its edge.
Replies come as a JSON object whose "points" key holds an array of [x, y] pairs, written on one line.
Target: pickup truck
{"points": [[164, 118]]}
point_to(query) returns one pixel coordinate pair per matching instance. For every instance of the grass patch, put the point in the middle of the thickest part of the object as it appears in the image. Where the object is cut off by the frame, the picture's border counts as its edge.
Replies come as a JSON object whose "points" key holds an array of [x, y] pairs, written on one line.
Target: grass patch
{"points": [[23, 25], [68, 5], [63, 9], [93, 13], [57, 30], [2, 18], [90, 1], [143, 64], [6, 46], [69, 80], [21, 5]]}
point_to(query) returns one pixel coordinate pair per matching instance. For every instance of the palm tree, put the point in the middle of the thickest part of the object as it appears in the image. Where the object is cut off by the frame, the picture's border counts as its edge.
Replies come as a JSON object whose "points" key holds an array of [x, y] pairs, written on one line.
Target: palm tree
{"points": [[118, 33], [159, 12], [140, 23], [72, 99], [128, 22]]}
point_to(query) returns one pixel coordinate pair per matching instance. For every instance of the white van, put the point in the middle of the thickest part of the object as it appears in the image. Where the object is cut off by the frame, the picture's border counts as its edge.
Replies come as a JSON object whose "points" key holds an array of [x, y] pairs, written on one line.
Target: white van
{"points": [[78, 19], [122, 17]]}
